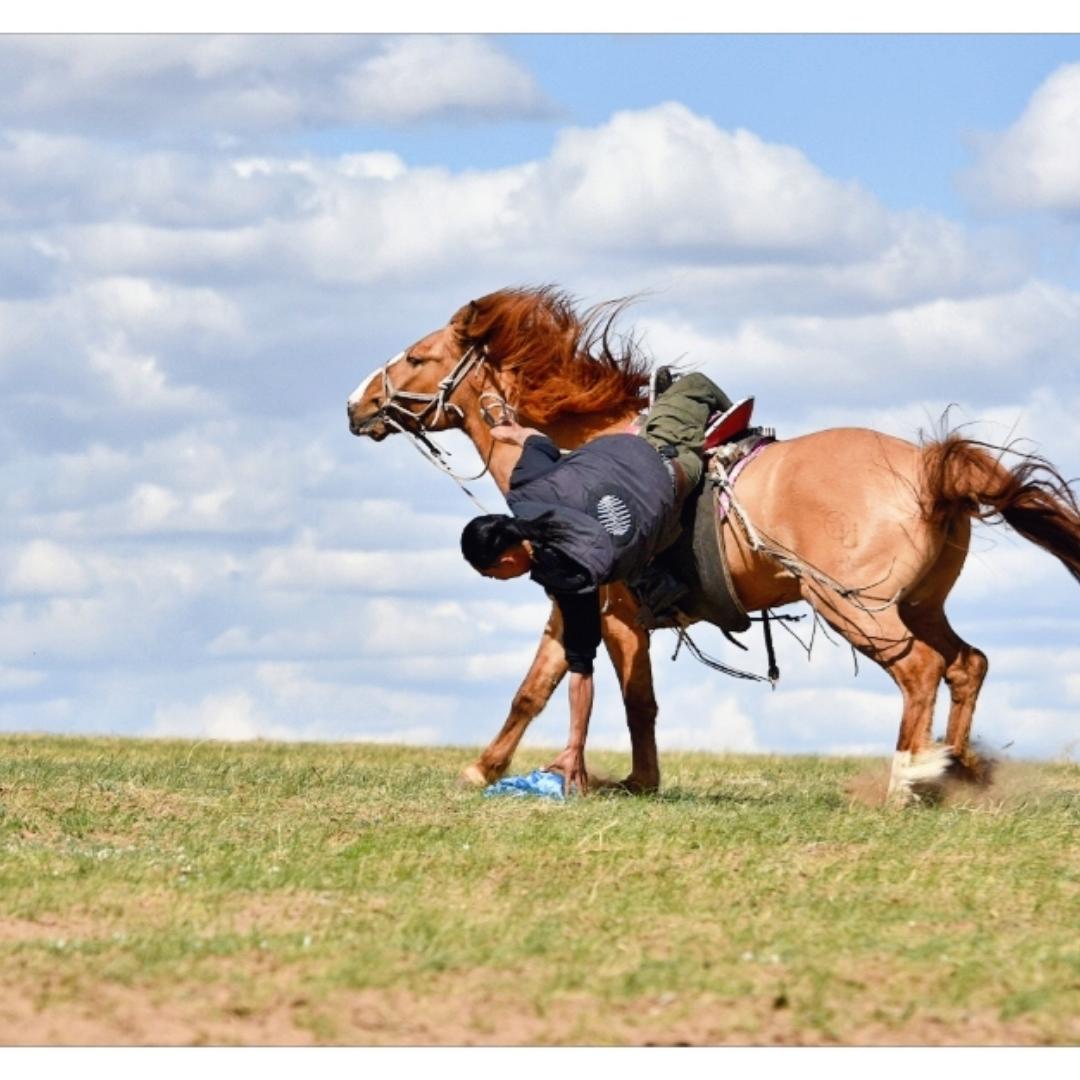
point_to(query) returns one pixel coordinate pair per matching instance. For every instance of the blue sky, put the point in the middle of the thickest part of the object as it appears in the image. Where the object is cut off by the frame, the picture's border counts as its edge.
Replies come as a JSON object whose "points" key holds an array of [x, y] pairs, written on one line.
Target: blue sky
{"points": [[205, 244], [896, 112]]}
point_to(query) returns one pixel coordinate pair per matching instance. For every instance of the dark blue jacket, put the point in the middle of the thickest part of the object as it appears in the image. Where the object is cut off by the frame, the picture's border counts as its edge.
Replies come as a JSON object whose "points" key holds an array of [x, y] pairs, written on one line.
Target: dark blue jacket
{"points": [[615, 499]]}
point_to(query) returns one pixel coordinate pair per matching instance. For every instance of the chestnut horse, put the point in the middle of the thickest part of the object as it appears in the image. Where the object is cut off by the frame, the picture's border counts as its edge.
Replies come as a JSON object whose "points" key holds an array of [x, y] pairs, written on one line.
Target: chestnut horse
{"points": [[875, 530]]}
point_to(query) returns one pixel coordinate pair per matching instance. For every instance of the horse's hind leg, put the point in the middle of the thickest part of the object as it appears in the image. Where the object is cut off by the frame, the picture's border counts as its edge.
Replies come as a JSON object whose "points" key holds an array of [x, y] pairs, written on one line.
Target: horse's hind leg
{"points": [[965, 677], [917, 669], [917, 763], [627, 644], [965, 666], [545, 674], [965, 670]]}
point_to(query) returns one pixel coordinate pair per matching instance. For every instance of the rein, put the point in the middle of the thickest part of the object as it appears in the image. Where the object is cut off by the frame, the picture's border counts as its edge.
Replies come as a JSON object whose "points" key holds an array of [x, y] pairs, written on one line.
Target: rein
{"points": [[394, 413]]}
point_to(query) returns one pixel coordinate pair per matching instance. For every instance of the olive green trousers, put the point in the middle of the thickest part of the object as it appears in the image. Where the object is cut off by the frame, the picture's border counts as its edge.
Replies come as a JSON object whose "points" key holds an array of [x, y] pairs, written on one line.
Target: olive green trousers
{"points": [[678, 420]]}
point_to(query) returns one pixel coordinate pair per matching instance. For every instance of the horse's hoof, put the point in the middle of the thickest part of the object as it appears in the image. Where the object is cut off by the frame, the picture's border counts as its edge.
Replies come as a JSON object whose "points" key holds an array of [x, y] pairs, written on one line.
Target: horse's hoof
{"points": [[473, 776], [633, 785], [917, 778], [972, 768]]}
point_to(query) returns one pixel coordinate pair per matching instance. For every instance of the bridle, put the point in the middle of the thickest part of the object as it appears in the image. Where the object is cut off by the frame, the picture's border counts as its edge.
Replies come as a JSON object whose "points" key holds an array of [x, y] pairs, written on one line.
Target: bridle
{"points": [[473, 357], [406, 421]]}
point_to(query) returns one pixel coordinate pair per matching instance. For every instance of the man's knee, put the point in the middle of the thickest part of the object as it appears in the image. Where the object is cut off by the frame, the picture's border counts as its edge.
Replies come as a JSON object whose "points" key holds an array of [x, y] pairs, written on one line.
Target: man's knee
{"points": [[698, 387]]}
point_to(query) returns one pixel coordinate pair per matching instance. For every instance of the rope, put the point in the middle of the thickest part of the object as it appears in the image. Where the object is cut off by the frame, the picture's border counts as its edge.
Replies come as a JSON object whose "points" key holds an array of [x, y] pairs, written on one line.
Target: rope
{"points": [[716, 665], [431, 451], [774, 671], [798, 568], [421, 438]]}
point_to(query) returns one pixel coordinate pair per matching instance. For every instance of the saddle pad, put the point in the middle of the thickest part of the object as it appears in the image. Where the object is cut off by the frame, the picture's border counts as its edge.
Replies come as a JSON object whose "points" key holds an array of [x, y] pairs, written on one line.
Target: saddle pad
{"points": [[723, 501]]}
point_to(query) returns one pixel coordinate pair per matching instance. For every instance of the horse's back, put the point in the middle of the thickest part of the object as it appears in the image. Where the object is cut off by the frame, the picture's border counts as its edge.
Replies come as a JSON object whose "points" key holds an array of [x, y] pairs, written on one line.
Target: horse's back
{"points": [[845, 500]]}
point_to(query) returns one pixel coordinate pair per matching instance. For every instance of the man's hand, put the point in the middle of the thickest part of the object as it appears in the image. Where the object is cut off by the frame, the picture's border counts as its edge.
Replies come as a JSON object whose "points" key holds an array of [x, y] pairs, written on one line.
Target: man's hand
{"points": [[510, 431], [571, 762], [571, 765]]}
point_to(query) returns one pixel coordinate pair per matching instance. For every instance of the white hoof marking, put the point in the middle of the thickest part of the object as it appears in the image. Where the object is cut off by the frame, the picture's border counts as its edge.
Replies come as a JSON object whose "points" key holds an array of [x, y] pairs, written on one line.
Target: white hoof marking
{"points": [[474, 777], [909, 769]]}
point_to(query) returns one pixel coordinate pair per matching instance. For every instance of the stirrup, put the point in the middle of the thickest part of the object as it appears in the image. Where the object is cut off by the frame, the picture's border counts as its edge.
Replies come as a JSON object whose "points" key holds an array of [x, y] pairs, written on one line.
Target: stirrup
{"points": [[658, 592]]}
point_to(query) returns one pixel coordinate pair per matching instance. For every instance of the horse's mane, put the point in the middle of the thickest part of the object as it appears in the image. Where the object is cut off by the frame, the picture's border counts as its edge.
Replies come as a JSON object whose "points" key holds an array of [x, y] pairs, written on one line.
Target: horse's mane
{"points": [[562, 362]]}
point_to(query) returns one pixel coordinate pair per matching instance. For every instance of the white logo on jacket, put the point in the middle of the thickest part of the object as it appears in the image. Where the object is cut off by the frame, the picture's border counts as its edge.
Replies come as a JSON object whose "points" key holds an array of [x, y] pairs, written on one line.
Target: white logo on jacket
{"points": [[614, 515]]}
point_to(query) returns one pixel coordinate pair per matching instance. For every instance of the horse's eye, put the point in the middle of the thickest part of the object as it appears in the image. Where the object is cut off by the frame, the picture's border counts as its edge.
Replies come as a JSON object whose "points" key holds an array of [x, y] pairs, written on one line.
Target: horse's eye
{"points": [[415, 361]]}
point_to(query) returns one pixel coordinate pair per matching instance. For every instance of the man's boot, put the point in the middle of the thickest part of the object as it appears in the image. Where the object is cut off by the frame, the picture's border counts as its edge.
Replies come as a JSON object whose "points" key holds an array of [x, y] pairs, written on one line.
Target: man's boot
{"points": [[662, 378], [658, 591]]}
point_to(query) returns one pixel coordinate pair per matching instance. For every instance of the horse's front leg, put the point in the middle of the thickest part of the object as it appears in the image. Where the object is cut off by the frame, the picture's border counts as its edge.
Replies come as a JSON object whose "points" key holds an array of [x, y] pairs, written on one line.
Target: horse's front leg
{"points": [[627, 644], [545, 674]]}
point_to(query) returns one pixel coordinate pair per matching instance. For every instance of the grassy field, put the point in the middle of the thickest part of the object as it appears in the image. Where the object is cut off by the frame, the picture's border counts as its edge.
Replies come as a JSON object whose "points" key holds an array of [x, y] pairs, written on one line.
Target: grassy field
{"points": [[168, 892]]}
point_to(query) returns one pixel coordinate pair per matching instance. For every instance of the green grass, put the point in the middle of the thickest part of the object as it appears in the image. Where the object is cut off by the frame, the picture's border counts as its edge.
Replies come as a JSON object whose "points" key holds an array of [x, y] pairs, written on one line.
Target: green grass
{"points": [[182, 892]]}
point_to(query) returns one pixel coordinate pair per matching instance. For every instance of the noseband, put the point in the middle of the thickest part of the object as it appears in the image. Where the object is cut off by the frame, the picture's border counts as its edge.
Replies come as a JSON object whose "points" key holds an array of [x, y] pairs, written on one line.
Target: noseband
{"points": [[414, 424], [395, 412]]}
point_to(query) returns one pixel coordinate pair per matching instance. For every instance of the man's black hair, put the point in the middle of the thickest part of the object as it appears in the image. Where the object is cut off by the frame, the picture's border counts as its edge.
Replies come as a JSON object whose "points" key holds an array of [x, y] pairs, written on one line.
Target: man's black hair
{"points": [[485, 538]]}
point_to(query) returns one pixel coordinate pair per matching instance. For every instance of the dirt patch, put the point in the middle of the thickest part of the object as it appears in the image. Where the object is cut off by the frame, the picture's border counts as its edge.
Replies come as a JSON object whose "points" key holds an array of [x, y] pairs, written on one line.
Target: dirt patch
{"points": [[1011, 784], [127, 1016], [47, 928], [265, 1003], [122, 1016], [869, 787]]}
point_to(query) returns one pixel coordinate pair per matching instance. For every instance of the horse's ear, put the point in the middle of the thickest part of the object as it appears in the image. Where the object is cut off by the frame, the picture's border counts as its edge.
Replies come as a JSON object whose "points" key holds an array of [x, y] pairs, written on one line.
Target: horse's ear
{"points": [[464, 318]]}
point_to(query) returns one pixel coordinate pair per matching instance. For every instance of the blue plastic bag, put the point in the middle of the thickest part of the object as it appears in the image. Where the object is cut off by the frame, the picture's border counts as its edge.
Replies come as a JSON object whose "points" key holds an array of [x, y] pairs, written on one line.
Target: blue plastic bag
{"points": [[546, 785]]}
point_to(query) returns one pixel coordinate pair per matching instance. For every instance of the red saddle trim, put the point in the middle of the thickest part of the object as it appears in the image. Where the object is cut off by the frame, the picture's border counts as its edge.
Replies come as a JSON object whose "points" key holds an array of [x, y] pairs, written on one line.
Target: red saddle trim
{"points": [[726, 426]]}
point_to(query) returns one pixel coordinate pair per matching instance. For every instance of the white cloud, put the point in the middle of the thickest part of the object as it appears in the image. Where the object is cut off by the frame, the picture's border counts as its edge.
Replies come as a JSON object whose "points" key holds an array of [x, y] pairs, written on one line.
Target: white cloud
{"points": [[1010, 718], [308, 568], [422, 77], [703, 723], [810, 715], [212, 478], [1002, 566], [60, 714], [142, 307], [153, 507], [660, 186], [943, 349], [1034, 164], [359, 711], [189, 84], [505, 665], [440, 636], [139, 383], [76, 606], [668, 180], [232, 716], [46, 568], [13, 679], [61, 629]]}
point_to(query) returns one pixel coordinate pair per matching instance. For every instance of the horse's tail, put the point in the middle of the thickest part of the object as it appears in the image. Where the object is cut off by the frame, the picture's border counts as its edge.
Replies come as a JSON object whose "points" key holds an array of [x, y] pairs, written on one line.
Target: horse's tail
{"points": [[963, 476]]}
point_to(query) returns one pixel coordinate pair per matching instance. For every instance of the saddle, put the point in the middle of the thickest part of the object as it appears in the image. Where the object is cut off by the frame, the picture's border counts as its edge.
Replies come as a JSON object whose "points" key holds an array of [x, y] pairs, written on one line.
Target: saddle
{"points": [[690, 581]]}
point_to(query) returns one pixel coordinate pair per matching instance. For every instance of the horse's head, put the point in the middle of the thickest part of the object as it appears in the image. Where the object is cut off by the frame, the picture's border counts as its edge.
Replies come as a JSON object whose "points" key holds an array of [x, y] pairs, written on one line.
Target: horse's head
{"points": [[415, 390], [527, 348]]}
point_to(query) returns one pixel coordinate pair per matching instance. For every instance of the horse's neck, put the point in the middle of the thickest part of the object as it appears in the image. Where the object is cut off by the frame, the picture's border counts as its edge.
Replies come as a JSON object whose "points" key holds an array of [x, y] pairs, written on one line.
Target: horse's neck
{"points": [[574, 430], [567, 432]]}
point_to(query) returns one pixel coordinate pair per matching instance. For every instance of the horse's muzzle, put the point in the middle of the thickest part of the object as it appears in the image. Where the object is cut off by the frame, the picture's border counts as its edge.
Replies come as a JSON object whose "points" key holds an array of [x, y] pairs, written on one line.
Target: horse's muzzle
{"points": [[371, 427]]}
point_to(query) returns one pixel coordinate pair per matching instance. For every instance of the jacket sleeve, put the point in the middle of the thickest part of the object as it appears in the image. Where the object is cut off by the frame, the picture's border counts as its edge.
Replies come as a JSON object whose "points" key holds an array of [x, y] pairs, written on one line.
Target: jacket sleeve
{"points": [[581, 628], [538, 457]]}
